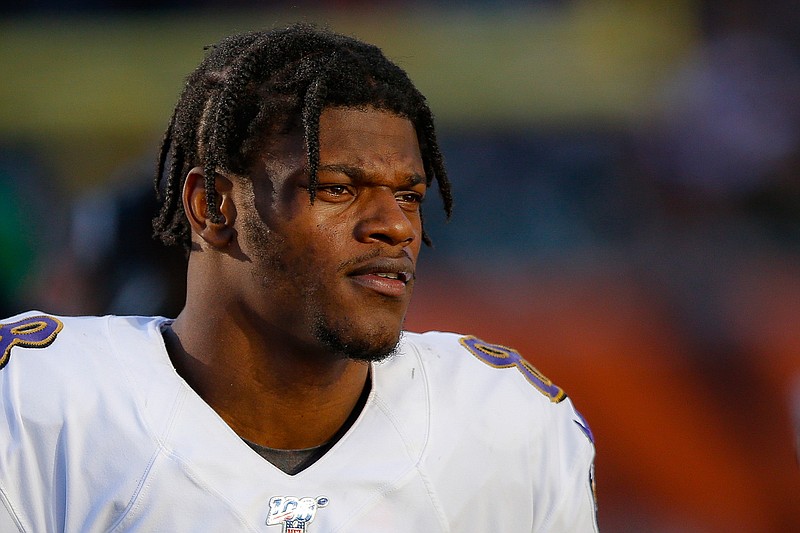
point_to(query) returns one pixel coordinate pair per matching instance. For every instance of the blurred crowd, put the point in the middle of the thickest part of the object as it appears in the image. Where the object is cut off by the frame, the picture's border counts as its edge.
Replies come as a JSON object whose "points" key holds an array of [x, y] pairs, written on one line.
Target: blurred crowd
{"points": [[652, 270]]}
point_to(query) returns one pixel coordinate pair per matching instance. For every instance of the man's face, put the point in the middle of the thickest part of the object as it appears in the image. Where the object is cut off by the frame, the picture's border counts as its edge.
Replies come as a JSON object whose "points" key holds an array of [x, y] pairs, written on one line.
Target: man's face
{"points": [[338, 273]]}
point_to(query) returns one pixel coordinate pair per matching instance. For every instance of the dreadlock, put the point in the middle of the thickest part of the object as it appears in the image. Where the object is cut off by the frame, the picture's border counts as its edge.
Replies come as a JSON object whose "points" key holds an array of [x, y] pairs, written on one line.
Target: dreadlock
{"points": [[252, 84]]}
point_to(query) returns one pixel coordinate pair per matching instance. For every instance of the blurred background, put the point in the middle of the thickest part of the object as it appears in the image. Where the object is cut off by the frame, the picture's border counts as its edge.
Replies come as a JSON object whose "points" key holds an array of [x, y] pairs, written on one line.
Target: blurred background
{"points": [[627, 208]]}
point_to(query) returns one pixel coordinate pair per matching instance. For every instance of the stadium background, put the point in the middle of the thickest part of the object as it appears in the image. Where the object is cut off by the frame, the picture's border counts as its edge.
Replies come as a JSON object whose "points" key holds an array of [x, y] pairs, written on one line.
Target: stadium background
{"points": [[627, 216]]}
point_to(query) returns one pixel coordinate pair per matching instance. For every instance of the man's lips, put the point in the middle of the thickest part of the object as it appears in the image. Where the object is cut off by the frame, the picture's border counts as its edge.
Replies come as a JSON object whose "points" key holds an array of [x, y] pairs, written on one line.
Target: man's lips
{"points": [[384, 275]]}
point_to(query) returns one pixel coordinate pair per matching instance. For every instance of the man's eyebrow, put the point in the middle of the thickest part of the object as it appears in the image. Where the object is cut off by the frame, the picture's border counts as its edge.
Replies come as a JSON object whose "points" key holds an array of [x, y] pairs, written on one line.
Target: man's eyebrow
{"points": [[348, 170], [358, 173], [416, 179]]}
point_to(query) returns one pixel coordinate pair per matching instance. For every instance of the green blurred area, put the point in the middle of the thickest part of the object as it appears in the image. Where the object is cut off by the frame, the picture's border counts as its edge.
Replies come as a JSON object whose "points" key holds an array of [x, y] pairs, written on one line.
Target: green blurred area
{"points": [[95, 91]]}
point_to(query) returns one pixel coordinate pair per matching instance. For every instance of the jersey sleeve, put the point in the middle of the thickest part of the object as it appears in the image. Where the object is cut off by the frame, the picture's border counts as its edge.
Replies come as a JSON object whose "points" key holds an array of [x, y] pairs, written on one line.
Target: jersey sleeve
{"points": [[534, 452], [564, 442]]}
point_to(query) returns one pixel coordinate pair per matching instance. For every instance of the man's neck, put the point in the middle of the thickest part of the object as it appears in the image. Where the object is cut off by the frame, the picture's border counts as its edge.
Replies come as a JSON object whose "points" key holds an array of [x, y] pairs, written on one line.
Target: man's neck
{"points": [[280, 399]]}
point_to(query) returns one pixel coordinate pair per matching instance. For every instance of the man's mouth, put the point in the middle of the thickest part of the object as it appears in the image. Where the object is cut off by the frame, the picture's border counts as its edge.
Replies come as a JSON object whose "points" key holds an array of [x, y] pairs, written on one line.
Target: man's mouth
{"points": [[386, 276]]}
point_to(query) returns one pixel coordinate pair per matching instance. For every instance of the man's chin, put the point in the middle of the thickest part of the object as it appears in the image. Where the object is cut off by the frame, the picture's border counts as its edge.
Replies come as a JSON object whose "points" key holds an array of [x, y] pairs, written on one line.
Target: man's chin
{"points": [[372, 356], [367, 347]]}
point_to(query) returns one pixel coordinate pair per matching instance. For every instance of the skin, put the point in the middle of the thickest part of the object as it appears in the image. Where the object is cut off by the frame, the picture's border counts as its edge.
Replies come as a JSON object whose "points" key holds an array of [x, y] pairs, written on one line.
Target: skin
{"points": [[288, 298]]}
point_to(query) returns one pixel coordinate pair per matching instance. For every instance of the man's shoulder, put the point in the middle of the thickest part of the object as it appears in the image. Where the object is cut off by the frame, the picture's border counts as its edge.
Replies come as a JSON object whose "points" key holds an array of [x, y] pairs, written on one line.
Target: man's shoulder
{"points": [[492, 384], [72, 341], [456, 357], [60, 372], [46, 359], [496, 424]]}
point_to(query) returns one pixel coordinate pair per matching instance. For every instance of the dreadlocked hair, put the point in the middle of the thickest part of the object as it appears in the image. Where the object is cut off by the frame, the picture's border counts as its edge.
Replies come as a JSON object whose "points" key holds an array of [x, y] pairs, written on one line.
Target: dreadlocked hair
{"points": [[252, 84]]}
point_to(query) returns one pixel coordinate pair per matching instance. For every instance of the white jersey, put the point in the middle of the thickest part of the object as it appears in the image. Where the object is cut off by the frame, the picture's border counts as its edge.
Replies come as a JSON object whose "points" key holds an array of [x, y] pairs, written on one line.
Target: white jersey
{"points": [[99, 433]]}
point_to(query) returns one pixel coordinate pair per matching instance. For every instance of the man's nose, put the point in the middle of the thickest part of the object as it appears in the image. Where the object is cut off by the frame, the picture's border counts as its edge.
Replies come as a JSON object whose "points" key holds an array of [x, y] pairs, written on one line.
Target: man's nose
{"points": [[384, 220]]}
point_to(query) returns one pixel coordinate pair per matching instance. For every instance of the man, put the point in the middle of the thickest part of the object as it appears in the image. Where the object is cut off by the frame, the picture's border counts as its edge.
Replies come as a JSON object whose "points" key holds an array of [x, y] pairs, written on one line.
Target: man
{"points": [[284, 397]]}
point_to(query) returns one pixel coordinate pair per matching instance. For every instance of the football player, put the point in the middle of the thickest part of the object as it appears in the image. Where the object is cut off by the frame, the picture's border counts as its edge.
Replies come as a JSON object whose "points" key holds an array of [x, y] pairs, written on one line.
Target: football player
{"points": [[285, 397]]}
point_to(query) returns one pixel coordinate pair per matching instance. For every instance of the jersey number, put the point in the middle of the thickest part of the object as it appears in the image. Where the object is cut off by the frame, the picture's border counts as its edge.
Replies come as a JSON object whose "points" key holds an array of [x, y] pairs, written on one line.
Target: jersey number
{"points": [[33, 332], [503, 357]]}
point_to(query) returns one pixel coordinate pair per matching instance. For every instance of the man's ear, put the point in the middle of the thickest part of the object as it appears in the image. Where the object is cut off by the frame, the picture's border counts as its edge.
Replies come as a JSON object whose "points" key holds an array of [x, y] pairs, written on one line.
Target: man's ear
{"points": [[218, 234]]}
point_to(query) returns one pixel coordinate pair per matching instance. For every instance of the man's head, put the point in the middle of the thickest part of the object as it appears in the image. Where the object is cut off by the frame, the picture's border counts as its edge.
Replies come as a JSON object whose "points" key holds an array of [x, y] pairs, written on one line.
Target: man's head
{"points": [[302, 157], [258, 83]]}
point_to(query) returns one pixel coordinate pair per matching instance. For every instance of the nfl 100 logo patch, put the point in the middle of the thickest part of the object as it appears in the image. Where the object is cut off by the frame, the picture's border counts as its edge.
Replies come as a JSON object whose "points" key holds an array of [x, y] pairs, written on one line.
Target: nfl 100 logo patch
{"points": [[294, 513]]}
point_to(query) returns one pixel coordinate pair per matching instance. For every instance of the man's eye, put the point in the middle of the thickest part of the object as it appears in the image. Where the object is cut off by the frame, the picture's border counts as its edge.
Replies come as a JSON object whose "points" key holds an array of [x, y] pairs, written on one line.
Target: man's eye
{"points": [[410, 197], [333, 190]]}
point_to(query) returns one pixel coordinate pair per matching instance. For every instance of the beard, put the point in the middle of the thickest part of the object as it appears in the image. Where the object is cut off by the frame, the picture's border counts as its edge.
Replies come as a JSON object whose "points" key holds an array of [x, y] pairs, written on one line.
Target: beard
{"points": [[338, 338]]}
